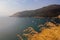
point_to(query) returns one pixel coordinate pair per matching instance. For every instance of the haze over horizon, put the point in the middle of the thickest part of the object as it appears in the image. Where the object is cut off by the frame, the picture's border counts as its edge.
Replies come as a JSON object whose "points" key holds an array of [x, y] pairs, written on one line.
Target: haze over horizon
{"points": [[9, 7]]}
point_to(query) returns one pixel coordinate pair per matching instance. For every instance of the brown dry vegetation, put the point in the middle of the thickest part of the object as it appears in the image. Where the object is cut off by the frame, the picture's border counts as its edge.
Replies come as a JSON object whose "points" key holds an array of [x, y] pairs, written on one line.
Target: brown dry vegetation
{"points": [[52, 32]]}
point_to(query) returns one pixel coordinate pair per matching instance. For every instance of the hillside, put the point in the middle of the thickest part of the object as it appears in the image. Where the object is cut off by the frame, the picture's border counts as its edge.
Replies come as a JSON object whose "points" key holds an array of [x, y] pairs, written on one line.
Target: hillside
{"points": [[49, 31], [47, 11]]}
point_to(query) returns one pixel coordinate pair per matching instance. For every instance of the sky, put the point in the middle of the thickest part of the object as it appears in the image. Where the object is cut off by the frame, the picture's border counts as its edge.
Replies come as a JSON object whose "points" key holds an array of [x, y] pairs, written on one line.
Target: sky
{"points": [[9, 7]]}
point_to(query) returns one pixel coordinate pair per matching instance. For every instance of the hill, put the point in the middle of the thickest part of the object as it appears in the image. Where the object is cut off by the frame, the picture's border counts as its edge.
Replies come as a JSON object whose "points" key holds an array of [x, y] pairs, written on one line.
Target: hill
{"points": [[47, 11]]}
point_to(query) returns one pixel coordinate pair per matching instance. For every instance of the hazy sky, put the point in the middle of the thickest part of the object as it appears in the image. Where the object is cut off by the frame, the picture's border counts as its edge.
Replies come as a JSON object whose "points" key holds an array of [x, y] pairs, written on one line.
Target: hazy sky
{"points": [[9, 7]]}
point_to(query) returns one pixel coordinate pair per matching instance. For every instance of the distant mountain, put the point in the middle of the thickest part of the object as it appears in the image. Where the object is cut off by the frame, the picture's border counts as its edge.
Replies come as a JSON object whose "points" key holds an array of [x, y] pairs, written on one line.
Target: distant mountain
{"points": [[48, 11]]}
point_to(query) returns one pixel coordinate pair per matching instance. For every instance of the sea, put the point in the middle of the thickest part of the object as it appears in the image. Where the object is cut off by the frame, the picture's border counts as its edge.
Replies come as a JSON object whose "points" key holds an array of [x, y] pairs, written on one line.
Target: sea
{"points": [[10, 26]]}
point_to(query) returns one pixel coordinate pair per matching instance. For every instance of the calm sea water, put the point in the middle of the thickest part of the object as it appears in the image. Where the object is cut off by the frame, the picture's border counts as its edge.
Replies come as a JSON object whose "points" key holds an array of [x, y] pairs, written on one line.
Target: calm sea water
{"points": [[10, 26]]}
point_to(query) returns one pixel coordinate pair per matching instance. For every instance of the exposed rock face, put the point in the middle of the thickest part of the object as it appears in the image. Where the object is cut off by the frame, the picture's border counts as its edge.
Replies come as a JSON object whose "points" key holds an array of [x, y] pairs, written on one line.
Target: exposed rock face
{"points": [[48, 11]]}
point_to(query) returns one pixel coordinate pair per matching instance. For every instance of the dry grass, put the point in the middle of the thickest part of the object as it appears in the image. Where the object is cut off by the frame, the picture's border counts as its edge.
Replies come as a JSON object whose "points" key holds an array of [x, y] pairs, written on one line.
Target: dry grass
{"points": [[48, 34], [51, 33]]}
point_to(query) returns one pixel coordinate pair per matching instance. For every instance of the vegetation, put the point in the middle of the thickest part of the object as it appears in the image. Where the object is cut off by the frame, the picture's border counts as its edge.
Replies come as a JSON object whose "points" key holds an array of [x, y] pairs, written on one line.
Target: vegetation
{"points": [[48, 11], [50, 32]]}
